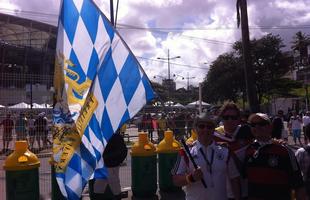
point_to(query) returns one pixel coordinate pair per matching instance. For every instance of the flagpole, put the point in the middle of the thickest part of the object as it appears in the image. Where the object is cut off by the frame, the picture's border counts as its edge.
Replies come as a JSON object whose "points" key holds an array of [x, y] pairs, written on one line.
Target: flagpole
{"points": [[200, 98], [112, 12]]}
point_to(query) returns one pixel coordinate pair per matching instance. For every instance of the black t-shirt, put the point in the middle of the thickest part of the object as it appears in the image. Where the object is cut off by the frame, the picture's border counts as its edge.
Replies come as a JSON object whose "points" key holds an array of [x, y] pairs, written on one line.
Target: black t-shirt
{"points": [[115, 152], [272, 171]]}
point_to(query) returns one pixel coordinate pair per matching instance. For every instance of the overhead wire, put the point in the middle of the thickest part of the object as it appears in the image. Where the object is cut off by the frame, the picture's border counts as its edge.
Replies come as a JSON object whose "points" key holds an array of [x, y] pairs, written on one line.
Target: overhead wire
{"points": [[172, 63]]}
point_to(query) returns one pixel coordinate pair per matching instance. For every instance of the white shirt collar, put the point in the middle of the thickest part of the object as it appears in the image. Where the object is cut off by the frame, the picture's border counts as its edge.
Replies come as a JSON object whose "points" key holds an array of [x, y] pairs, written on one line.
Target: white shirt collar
{"points": [[199, 145]]}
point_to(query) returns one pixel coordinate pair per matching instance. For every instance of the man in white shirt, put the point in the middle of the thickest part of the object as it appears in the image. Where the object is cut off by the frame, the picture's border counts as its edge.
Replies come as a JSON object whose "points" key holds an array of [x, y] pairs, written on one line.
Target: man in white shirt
{"points": [[294, 126], [214, 166]]}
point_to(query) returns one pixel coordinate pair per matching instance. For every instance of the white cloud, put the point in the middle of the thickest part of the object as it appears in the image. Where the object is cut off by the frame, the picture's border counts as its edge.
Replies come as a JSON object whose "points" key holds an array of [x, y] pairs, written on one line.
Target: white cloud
{"points": [[203, 29]]}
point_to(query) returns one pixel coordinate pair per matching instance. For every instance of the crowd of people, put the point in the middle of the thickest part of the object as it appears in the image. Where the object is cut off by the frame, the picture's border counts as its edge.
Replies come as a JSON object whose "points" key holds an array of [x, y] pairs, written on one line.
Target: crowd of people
{"points": [[239, 155], [179, 122], [244, 158], [30, 128]]}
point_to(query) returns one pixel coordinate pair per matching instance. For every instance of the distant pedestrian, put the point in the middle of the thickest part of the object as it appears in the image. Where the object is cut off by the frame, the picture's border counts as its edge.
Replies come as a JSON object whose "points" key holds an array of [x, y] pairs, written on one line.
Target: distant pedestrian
{"points": [[8, 125], [189, 124], [31, 131], [41, 124], [162, 126], [306, 126], [278, 125], [180, 123], [149, 126], [21, 127], [294, 125]]}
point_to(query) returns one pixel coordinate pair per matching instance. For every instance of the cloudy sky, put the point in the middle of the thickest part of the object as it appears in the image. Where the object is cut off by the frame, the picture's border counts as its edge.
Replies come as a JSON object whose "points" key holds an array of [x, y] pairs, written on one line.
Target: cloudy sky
{"points": [[196, 30]]}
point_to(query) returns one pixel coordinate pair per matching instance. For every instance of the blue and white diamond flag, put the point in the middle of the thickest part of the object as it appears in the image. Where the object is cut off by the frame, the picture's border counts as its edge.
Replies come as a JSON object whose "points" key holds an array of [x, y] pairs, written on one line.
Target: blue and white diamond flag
{"points": [[99, 85]]}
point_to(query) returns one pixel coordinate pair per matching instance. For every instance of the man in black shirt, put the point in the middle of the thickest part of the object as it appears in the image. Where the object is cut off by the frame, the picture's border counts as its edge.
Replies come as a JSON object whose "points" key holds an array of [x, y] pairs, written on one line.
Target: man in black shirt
{"points": [[271, 168]]}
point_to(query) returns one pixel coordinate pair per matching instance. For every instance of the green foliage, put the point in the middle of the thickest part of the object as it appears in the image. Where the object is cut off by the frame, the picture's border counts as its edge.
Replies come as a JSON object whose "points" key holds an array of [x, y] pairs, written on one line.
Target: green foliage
{"points": [[225, 79], [300, 44]]}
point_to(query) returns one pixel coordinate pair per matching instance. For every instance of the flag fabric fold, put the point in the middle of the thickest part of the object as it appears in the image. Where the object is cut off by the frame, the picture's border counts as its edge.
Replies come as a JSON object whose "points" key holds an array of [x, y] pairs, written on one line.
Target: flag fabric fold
{"points": [[99, 85]]}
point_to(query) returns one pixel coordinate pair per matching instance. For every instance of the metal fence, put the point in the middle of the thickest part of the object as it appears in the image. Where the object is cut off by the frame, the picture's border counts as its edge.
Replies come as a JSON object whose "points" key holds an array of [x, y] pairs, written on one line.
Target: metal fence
{"points": [[26, 98], [45, 169]]}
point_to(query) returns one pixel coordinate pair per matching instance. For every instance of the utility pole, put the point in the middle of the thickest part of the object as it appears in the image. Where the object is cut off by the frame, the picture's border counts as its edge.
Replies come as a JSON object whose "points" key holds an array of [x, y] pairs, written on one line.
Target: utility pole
{"points": [[188, 80], [112, 12], [248, 70], [169, 81], [200, 98]]}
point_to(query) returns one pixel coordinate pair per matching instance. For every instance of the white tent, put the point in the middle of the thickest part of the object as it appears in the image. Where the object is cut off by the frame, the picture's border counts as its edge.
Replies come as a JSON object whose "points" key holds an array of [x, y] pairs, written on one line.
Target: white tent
{"points": [[1, 106], [46, 105], [196, 104], [35, 105], [178, 105], [20, 105]]}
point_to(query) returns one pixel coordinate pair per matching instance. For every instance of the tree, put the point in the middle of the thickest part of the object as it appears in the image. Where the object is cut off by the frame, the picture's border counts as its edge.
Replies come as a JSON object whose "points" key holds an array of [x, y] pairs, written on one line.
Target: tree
{"points": [[225, 79], [270, 64], [300, 43]]}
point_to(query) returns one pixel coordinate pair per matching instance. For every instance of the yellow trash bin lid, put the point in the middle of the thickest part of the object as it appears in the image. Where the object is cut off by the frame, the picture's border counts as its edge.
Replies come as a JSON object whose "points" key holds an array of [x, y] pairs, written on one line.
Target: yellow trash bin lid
{"points": [[143, 147], [169, 144], [21, 158]]}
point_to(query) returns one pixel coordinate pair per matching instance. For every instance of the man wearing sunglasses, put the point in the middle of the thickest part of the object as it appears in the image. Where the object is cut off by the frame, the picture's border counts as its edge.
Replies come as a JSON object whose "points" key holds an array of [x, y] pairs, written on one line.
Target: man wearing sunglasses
{"points": [[236, 137], [271, 168], [214, 166]]}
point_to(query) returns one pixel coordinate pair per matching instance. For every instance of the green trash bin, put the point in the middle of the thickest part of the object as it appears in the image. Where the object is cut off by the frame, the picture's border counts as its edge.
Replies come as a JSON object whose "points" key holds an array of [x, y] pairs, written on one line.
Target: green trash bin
{"points": [[167, 151], [22, 174], [143, 168]]}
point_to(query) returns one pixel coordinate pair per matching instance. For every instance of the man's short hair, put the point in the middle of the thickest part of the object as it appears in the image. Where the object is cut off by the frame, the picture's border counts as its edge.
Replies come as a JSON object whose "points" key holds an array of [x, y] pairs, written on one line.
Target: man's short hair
{"points": [[262, 116], [229, 106]]}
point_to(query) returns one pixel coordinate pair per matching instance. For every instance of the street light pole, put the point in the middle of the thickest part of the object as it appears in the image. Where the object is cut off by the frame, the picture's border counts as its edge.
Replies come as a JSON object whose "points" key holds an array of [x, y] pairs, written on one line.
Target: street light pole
{"points": [[168, 65], [169, 77]]}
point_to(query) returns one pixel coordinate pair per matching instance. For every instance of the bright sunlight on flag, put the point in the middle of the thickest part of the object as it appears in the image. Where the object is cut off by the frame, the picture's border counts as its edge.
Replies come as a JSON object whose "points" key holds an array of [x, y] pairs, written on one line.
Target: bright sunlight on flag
{"points": [[99, 85]]}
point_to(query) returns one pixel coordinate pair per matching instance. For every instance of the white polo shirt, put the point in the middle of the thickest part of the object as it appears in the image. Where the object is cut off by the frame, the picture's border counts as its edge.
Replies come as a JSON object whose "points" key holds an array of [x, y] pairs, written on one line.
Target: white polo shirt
{"points": [[296, 123], [306, 120], [221, 168]]}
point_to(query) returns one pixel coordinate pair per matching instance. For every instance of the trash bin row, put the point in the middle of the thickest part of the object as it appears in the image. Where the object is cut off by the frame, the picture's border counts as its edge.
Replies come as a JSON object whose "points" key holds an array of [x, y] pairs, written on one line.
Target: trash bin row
{"points": [[144, 164], [22, 176]]}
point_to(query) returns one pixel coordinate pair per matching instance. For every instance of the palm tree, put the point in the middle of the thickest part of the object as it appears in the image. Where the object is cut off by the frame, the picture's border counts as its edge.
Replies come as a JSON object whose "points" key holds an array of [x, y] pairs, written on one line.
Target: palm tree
{"points": [[300, 44]]}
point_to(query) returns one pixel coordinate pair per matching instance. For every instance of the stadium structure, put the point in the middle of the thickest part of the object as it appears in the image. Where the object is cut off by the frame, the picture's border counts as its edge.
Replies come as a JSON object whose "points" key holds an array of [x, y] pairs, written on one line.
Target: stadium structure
{"points": [[27, 60]]}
